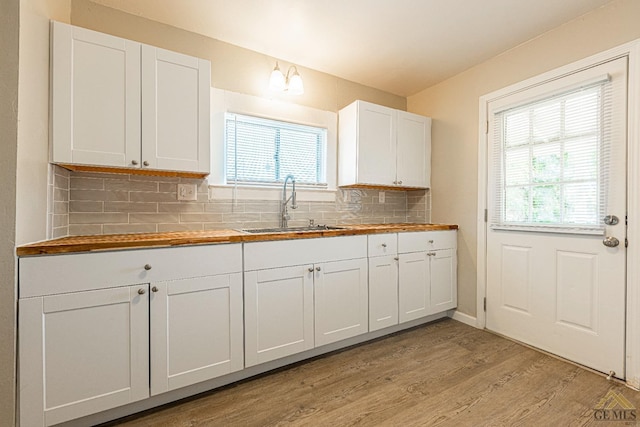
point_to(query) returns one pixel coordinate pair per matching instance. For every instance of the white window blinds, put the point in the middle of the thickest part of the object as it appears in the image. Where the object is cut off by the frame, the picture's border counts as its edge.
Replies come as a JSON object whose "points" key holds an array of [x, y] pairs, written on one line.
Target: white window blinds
{"points": [[263, 151], [551, 160]]}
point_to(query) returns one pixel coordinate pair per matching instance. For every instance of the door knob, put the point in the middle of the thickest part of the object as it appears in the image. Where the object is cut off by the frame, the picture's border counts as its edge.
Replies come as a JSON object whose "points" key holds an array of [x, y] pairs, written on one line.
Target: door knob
{"points": [[610, 242]]}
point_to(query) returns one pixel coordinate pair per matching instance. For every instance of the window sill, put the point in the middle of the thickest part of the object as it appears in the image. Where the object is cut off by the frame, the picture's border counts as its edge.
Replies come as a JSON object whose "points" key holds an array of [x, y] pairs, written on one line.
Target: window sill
{"points": [[249, 192]]}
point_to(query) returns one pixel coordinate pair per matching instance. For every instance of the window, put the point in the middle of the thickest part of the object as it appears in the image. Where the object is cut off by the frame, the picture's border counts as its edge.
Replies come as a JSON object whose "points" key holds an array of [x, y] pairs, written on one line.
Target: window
{"points": [[263, 151], [552, 155]]}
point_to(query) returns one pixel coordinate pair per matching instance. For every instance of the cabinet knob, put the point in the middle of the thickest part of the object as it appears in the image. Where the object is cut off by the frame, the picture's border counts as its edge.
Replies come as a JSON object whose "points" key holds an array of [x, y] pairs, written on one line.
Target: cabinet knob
{"points": [[317, 268], [384, 245], [134, 162], [147, 267], [310, 269], [145, 163], [154, 289], [430, 241], [399, 182], [397, 258], [142, 291], [431, 253], [395, 182]]}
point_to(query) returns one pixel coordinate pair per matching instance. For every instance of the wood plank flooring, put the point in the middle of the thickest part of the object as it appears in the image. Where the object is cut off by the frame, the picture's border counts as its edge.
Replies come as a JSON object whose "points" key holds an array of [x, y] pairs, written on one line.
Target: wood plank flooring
{"points": [[442, 374]]}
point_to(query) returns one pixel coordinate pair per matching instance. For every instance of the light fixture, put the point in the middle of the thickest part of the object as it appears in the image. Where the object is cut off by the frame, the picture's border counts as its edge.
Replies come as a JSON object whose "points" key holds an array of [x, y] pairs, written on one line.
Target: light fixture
{"points": [[292, 83]]}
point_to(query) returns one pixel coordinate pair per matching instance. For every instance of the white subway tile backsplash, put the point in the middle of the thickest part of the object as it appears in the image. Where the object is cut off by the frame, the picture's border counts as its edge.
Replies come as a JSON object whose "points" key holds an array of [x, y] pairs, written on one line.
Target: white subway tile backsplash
{"points": [[95, 203]]}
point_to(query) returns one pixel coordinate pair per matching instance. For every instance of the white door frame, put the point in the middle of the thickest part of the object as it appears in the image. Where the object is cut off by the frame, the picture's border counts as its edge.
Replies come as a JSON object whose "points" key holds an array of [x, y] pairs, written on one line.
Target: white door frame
{"points": [[632, 51]]}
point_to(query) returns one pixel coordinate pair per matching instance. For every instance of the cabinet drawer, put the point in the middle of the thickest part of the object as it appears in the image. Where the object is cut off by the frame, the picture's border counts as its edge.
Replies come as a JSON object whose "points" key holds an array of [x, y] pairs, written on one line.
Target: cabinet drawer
{"points": [[426, 241], [383, 244], [283, 253], [55, 274]]}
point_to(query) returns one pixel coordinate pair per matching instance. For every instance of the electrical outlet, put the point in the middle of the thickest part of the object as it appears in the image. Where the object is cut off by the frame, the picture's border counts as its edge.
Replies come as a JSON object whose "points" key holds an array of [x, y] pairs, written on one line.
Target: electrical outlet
{"points": [[187, 192], [381, 197]]}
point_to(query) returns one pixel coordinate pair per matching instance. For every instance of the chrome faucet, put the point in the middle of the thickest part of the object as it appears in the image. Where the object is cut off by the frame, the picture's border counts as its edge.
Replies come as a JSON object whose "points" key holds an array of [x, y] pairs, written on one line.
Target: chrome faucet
{"points": [[284, 214]]}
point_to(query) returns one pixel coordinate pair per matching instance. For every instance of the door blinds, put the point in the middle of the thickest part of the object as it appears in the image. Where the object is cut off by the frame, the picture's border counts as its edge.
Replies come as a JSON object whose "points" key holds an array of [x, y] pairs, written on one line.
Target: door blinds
{"points": [[550, 160]]}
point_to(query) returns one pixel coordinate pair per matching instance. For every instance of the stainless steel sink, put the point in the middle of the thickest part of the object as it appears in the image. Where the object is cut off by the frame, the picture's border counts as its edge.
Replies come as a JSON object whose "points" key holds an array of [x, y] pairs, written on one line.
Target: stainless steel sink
{"points": [[292, 229]]}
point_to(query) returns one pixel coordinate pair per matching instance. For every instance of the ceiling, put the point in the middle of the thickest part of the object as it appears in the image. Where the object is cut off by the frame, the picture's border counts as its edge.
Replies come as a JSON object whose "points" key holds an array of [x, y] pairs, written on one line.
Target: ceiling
{"points": [[399, 46]]}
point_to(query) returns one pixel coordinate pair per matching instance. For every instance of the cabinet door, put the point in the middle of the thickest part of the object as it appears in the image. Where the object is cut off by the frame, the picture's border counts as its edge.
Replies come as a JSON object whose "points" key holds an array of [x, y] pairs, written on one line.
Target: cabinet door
{"points": [[95, 95], [413, 150], [443, 281], [413, 286], [376, 144], [175, 111], [383, 292], [82, 353], [196, 330], [341, 300], [278, 313]]}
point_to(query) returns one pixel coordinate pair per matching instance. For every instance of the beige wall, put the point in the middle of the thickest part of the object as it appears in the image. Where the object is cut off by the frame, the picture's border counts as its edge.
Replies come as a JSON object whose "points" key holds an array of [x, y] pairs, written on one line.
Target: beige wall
{"points": [[453, 105], [232, 68], [9, 18]]}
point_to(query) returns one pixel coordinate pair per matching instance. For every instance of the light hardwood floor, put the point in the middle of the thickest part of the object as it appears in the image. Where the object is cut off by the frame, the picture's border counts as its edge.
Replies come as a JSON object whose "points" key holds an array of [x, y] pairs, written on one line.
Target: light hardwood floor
{"points": [[445, 373]]}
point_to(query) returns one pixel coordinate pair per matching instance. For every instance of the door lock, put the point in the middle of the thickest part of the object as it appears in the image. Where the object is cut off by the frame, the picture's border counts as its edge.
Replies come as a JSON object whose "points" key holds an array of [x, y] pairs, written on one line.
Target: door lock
{"points": [[611, 220]]}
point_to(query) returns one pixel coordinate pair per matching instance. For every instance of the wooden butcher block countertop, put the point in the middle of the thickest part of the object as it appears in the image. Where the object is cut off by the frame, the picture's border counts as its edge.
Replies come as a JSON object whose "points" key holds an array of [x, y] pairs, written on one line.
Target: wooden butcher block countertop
{"points": [[180, 238]]}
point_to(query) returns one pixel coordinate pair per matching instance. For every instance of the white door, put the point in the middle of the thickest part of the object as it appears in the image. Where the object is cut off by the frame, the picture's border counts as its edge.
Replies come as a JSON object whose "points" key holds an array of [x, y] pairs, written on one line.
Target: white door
{"points": [[341, 300], [376, 144], [413, 150], [278, 313], [413, 286], [196, 330], [82, 353], [95, 93], [383, 292], [175, 111], [557, 167]]}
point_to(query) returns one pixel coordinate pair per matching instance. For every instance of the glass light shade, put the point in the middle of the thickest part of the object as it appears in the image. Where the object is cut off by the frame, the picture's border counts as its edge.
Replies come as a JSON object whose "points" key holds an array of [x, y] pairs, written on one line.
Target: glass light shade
{"points": [[295, 84], [276, 82]]}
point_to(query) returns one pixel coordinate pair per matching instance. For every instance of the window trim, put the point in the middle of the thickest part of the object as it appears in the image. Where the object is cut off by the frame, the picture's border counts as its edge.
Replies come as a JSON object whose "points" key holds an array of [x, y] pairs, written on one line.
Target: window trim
{"points": [[223, 101]]}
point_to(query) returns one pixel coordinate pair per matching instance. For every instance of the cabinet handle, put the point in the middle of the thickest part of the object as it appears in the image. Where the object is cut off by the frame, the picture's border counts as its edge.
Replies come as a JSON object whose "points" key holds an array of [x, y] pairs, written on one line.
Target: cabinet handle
{"points": [[154, 289], [142, 291], [147, 267], [145, 163], [317, 268], [134, 162], [397, 258], [384, 245], [310, 269]]}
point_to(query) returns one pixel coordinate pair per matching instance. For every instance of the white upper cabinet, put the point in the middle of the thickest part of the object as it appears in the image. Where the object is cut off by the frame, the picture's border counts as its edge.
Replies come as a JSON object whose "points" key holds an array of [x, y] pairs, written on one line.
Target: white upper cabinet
{"points": [[383, 147], [175, 111], [95, 96], [120, 104]]}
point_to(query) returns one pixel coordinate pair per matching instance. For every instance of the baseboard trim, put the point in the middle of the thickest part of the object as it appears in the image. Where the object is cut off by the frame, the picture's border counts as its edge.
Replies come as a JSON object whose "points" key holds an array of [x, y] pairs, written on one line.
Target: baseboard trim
{"points": [[462, 318]]}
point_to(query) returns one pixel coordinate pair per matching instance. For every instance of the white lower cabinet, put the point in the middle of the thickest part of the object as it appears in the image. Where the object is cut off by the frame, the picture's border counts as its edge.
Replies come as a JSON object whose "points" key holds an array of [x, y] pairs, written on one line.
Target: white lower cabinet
{"points": [[88, 351], [278, 313], [293, 308], [82, 353], [341, 300], [101, 330], [196, 330], [427, 273]]}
